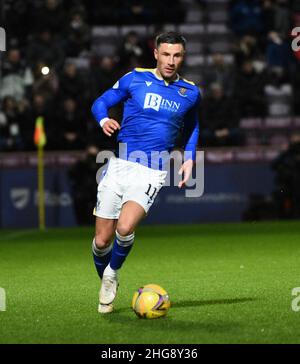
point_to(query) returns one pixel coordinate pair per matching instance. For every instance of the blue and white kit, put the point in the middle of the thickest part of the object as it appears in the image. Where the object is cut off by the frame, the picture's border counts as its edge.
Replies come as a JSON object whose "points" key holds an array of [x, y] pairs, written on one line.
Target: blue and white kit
{"points": [[154, 112]]}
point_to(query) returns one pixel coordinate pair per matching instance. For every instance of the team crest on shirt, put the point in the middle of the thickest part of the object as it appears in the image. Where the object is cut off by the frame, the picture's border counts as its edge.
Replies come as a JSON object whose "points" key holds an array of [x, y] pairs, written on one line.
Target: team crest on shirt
{"points": [[182, 92]]}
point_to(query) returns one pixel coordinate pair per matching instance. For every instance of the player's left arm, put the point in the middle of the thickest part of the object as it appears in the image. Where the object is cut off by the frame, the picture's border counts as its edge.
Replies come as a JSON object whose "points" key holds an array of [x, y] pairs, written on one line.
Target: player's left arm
{"points": [[190, 137]]}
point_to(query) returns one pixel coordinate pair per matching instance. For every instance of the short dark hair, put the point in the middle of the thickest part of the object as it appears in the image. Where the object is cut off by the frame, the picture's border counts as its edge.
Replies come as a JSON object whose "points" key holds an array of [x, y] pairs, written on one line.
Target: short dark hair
{"points": [[171, 38]]}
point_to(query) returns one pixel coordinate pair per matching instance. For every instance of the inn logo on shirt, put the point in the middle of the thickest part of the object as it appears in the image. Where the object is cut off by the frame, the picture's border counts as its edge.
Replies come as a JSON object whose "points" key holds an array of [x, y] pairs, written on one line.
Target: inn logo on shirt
{"points": [[156, 102]]}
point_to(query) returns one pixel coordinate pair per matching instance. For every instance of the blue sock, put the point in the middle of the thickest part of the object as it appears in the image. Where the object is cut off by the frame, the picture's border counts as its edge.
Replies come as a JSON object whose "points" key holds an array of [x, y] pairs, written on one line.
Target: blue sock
{"points": [[101, 258], [121, 249]]}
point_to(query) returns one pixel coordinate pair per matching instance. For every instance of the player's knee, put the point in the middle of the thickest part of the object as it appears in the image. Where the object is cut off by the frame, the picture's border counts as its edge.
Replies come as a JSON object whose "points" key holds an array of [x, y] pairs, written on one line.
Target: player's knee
{"points": [[102, 242], [125, 229]]}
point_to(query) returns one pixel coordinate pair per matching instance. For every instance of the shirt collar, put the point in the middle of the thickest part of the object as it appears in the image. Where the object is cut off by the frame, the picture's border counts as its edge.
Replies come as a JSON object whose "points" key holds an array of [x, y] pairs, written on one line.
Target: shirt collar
{"points": [[160, 78]]}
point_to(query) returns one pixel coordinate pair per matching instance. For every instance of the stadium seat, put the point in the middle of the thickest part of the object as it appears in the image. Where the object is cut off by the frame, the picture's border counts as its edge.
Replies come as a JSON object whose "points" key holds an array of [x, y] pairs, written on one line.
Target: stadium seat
{"points": [[105, 35], [218, 16], [188, 29], [194, 16], [252, 139], [170, 28], [80, 63], [104, 49], [251, 123], [105, 31], [213, 28], [296, 122], [217, 5], [194, 48], [279, 139], [141, 30], [228, 59], [275, 123], [194, 60], [219, 47]]}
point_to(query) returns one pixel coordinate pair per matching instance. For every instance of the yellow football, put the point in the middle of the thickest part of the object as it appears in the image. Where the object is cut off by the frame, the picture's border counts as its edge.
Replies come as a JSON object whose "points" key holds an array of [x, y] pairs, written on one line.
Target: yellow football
{"points": [[151, 301]]}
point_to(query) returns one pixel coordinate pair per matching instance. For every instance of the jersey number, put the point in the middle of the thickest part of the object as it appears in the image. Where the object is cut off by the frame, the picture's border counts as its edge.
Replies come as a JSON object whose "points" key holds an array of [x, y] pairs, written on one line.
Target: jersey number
{"points": [[150, 193]]}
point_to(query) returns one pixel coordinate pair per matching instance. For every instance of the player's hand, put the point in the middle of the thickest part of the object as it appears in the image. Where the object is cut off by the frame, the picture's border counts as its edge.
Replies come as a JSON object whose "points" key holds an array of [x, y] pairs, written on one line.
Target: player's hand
{"points": [[185, 171], [110, 126]]}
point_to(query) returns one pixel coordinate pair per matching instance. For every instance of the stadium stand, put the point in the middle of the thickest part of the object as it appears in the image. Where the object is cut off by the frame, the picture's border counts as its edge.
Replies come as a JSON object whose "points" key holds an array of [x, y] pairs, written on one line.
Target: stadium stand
{"points": [[247, 56], [238, 53]]}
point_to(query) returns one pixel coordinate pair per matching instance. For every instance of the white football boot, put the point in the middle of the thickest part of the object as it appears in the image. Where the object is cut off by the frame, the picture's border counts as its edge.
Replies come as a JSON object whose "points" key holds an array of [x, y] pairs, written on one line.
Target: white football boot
{"points": [[107, 293], [105, 308]]}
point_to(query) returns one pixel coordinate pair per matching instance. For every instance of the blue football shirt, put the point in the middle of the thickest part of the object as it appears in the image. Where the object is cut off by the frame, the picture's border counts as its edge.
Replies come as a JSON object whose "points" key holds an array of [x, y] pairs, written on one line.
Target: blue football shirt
{"points": [[154, 112]]}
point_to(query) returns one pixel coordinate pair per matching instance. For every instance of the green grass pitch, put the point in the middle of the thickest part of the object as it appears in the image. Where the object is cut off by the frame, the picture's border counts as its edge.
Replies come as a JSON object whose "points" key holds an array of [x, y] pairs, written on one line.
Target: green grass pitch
{"points": [[228, 283]]}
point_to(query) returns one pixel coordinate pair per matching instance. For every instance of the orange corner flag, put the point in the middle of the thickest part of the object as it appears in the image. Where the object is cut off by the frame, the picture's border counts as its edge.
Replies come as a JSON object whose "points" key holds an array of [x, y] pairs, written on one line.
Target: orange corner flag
{"points": [[39, 132]]}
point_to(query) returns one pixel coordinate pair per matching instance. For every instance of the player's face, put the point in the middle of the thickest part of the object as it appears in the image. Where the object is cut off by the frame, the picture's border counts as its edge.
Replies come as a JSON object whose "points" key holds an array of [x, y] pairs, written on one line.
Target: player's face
{"points": [[169, 59]]}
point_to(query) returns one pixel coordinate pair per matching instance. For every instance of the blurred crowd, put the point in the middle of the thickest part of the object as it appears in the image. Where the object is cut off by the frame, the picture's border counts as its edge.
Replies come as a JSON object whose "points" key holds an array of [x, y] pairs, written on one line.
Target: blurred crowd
{"points": [[264, 80], [39, 78]]}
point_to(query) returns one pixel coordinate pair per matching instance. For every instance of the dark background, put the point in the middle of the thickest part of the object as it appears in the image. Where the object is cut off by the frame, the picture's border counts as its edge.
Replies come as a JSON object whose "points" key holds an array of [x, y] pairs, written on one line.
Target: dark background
{"points": [[239, 53]]}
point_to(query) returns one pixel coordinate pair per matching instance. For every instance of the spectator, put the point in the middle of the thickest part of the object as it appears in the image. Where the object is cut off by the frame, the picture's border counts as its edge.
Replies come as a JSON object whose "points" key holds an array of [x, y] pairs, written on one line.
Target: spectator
{"points": [[10, 119], [268, 15], [44, 108], [63, 28], [246, 17], [104, 75], [170, 11], [73, 131], [131, 51], [16, 20], [137, 11], [104, 12], [150, 46], [247, 49], [72, 85], [17, 77], [84, 189], [219, 73], [46, 82], [220, 119], [287, 180], [278, 52], [295, 5], [134, 12], [282, 18], [278, 93], [296, 88], [277, 17], [51, 16], [78, 36], [249, 86], [46, 49]]}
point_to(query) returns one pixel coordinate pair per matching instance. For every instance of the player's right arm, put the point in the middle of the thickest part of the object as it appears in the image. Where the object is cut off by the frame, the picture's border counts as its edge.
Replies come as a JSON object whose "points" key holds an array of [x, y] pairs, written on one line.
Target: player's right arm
{"points": [[100, 108], [190, 135]]}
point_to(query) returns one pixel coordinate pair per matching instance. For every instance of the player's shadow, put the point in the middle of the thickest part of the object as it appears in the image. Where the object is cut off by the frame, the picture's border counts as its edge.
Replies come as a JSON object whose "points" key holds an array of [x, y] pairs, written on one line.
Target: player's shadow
{"points": [[225, 301], [175, 324], [198, 303]]}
